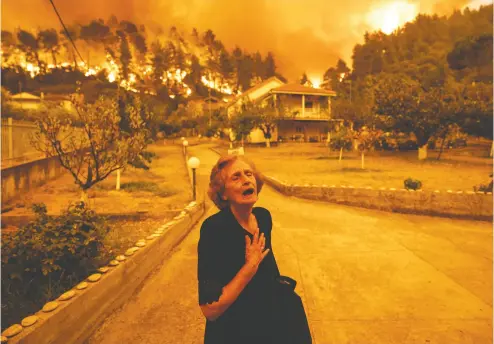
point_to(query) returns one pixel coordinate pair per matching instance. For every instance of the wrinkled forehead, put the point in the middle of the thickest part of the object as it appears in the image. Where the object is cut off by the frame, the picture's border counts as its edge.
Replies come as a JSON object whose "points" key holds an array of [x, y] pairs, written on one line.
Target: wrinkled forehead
{"points": [[235, 167]]}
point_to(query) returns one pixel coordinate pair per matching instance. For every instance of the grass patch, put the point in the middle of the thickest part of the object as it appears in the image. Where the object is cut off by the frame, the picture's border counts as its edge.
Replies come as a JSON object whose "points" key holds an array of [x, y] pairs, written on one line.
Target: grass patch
{"points": [[358, 170], [334, 158], [312, 163], [152, 187]]}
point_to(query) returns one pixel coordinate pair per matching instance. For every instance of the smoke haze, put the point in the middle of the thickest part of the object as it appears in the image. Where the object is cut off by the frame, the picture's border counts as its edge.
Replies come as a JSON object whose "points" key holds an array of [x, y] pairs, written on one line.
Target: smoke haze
{"points": [[305, 36]]}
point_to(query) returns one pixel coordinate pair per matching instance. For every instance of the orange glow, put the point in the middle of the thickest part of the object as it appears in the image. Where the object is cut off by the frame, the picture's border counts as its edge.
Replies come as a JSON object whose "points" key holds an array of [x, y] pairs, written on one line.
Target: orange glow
{"points": [[475, 4], [111, 77], [33, 70], [389, 17], [113, 73], [315, 81], [224, 88]]}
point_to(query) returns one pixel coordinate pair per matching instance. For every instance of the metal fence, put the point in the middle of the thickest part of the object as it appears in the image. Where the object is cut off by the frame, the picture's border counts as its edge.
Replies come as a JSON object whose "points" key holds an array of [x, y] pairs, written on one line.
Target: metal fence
{"points": [[16, 142]]}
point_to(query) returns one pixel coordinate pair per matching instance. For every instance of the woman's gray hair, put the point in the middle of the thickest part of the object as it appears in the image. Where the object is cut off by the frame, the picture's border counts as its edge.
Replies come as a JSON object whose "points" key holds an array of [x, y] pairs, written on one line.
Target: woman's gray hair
{"points": [[217, 179]]}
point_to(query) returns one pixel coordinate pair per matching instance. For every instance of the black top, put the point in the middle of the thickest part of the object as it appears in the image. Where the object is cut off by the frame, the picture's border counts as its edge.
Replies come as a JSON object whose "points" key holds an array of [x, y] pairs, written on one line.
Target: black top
{"points": [[221, 254]]}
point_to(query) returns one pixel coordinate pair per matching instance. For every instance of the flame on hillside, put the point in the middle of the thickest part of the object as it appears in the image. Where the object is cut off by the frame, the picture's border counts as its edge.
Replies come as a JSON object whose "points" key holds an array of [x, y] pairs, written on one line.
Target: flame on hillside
{"points": [[111, 70]]}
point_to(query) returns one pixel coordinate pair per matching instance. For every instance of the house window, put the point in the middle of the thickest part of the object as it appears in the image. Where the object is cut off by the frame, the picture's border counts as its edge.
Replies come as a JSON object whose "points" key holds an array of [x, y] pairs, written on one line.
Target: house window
{"points": [[309, 105], [298, 129]]}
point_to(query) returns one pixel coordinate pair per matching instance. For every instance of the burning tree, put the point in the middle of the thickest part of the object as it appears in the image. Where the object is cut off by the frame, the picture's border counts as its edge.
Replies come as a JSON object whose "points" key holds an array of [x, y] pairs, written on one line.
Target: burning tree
{"points": [[100, 147]]}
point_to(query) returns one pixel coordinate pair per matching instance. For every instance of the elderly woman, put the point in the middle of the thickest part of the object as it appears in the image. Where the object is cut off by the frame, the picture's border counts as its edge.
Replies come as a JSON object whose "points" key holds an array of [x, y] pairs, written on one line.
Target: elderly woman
{"points": [[236, 267]]}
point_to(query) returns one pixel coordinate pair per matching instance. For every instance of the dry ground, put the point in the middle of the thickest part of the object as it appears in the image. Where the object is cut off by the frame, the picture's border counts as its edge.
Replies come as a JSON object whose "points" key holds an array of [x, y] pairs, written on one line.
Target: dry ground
{"points": [[313, 163], [146, 199]]}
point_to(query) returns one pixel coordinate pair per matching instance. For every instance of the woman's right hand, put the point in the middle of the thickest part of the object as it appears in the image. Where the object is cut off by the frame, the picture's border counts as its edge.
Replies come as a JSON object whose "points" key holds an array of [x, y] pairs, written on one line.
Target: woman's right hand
{"points": [[254, 250]]}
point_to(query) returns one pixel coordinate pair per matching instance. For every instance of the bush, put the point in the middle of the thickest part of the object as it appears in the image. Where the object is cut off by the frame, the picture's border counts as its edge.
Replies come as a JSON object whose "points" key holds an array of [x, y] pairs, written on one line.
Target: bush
{"points": [[484, 187], [346, 144], [412, 184], [48, 256], [457, 143], [407, 145], [384, 143]]}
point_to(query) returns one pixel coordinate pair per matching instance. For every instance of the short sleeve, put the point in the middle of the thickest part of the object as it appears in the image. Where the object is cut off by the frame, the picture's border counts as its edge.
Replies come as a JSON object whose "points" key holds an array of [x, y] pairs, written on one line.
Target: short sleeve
{"points": [[209, 286]]}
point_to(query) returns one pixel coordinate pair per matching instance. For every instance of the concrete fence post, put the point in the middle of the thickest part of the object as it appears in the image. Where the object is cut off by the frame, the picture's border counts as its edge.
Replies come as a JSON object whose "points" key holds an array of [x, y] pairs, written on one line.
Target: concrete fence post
{"points": [[11, 138]]}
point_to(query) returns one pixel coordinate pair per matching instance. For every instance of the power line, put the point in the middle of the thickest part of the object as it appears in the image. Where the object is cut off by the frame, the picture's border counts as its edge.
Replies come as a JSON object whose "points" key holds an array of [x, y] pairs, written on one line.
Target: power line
{"points": [[67, 32]]}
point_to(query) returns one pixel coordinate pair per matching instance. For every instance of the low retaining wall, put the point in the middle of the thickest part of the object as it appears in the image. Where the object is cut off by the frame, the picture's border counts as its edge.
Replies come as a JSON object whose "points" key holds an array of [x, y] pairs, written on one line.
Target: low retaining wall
{"points": [[74, 320], [22, 178], [459, 204]]}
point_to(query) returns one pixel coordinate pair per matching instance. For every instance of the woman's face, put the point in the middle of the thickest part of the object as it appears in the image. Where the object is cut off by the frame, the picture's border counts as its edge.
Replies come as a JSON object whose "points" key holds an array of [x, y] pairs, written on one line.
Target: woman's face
{"points": [[240, 184]]}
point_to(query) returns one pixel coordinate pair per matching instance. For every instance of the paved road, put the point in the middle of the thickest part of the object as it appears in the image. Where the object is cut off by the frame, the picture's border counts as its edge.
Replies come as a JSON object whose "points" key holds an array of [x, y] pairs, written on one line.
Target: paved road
{"points": [[365, 277]]}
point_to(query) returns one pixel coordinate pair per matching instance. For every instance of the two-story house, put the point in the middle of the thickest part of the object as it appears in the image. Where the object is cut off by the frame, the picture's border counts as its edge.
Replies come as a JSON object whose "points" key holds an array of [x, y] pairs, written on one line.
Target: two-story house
{"points": [[306, 110]]}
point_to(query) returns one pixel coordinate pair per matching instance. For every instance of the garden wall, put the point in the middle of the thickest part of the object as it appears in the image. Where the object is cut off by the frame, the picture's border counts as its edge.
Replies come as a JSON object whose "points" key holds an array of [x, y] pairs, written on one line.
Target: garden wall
{"points": [[74, 320], [20, 179], [460, 204]]}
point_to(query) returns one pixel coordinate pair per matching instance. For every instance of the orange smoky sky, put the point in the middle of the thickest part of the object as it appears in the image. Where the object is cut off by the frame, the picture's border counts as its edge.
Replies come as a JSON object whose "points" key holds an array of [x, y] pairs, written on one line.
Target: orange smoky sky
{"points": [[304, 35]]}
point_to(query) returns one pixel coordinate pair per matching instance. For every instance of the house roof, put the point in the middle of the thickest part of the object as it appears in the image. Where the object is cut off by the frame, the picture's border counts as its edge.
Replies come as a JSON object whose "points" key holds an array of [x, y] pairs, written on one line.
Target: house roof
{"points": [[253, 89], [258, 86], [25, 96], [300, 89], [56, 97]]}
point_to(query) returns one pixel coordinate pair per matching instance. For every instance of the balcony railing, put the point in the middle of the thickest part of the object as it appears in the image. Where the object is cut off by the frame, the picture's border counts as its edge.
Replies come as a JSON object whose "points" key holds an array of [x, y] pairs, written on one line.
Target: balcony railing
{"points": [[296, 113]]}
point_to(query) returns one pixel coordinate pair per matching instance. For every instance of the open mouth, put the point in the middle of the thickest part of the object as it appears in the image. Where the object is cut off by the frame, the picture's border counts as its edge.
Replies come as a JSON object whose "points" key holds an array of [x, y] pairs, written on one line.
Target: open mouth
{"points": [[248, 192]]}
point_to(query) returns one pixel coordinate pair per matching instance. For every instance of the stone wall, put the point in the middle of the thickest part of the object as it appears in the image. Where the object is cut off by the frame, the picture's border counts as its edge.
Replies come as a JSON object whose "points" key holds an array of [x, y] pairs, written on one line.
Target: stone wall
{"points": [[460, 204]]}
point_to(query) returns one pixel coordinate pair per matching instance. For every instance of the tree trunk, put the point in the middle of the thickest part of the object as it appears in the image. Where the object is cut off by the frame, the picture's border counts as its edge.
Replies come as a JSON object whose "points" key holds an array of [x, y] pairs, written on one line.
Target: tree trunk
{"points": [[363, 166], [268, 143], [118, 180], [54, 56], [341, 154], [441, 149], [423, 152], [85, 197]]}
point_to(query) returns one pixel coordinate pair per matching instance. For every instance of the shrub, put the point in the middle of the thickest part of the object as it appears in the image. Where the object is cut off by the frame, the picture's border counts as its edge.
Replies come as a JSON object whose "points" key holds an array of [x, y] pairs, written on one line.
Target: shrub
{"points": [[407, 145], [484, 187], [48, 256], [337, 144], [412, 184]]}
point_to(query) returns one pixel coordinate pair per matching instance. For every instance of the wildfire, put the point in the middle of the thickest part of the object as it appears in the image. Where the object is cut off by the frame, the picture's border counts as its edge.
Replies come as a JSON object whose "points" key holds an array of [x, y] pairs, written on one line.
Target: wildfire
{"points": [[223, 88], [389, 17], [208, 83], [113, 73], [92, 71], [32, 69], [315, 81], [178, 75], [111, 77]]}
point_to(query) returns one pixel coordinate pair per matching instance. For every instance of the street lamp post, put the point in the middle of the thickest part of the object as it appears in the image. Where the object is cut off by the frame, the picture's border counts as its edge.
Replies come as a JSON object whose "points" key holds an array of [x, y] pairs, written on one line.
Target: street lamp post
{"points": [[193, 163], [185, 143]]}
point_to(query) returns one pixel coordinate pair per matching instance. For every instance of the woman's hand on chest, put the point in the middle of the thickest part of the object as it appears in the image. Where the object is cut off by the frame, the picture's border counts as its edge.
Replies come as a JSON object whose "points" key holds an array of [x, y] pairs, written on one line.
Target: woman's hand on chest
{"points": [[255, 249]]}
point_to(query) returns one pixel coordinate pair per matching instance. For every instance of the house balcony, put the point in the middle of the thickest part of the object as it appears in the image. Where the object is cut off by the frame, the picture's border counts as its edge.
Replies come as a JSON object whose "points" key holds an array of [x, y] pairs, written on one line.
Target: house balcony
{"points": [[307, 115]]}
